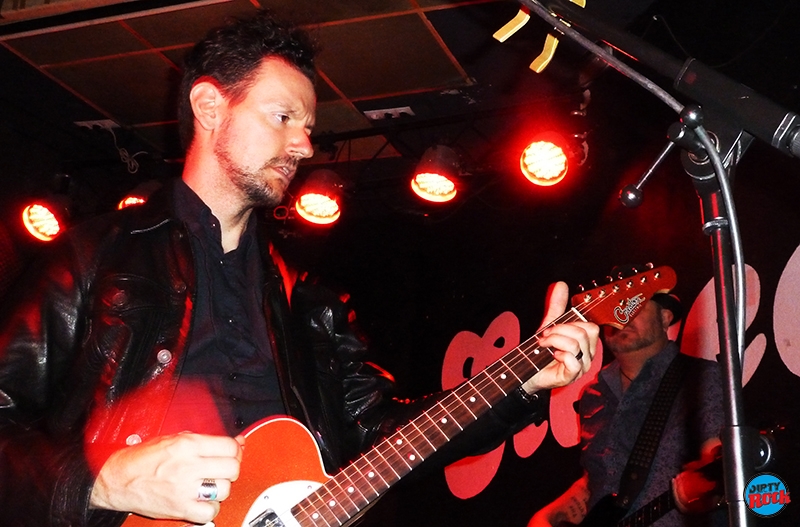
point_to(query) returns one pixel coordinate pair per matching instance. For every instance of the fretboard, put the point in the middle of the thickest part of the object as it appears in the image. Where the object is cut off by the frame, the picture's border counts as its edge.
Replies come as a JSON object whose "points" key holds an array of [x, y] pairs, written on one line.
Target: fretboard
{"points": [[649, 513], [341, 498]]}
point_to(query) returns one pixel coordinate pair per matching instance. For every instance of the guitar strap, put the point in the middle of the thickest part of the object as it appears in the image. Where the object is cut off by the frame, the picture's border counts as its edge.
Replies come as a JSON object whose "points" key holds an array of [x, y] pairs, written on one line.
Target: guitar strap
{"points": [[644, 450]]}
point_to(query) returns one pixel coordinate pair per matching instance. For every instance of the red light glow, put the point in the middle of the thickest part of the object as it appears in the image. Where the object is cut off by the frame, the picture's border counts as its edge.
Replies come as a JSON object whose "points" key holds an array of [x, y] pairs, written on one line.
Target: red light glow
{"points": [[129, 201], [40, 222], [543, 163], [317, 209], [433, 187]]}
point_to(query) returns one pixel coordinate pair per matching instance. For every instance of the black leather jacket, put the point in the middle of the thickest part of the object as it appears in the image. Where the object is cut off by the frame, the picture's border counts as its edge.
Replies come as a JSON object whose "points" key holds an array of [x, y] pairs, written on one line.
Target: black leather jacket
{"points": [[91, 352]]}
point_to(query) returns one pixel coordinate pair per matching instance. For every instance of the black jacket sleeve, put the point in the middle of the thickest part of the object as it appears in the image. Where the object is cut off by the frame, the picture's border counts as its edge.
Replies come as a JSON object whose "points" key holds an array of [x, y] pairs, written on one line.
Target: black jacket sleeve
{"points": [[44, 476]]}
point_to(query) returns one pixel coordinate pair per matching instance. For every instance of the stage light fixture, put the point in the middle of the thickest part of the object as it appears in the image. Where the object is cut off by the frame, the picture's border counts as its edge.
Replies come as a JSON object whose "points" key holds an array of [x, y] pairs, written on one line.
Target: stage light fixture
{"points": [[319, 199], [545, 161], [435, 177], [46, 218], [140, 194]]}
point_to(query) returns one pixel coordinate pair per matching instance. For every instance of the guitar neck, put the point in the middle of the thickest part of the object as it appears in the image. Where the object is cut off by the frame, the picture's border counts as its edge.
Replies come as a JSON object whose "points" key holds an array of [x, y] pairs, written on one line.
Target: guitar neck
{"points": [[374, 472], [344, 496], [651, 512]]}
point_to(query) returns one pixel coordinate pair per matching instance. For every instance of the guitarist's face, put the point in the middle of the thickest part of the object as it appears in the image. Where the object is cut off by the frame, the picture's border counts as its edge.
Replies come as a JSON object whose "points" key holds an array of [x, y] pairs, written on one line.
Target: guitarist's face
{"points": [[647, 330]]}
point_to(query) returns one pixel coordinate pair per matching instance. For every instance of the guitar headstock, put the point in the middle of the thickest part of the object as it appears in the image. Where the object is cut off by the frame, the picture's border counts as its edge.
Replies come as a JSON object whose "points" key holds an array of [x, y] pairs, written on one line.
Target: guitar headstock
{"points": [[618, 301]]}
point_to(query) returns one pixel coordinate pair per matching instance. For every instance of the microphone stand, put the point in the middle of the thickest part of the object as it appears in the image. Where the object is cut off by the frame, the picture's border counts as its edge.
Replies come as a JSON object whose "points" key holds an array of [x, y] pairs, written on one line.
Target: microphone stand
{"points": [[737, 439], [744, 110]]}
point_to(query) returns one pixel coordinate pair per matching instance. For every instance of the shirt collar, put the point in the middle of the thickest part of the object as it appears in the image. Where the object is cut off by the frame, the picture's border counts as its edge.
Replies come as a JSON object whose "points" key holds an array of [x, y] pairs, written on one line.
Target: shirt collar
{"points": [[654, 366], [200, 220]]}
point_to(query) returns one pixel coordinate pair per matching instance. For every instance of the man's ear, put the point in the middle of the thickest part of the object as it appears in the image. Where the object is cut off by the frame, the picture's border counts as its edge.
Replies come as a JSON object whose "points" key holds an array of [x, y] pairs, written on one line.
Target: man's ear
{"points": [[206, 100], [667, 318]]}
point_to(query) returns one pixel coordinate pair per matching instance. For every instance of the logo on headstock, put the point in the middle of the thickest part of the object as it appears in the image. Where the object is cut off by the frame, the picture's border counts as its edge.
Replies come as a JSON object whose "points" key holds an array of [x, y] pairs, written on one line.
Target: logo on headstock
{"points": [[625, 313]]}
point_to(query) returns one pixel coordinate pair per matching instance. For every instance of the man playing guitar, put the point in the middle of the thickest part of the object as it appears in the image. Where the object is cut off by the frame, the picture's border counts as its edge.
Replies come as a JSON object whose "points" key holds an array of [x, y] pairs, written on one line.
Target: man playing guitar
{"points": [[612, 412]]}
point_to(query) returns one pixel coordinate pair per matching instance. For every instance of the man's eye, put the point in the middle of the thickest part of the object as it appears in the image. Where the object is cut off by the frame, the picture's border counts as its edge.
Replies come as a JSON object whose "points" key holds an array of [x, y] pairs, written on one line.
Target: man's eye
{"points": [[283, 118]]}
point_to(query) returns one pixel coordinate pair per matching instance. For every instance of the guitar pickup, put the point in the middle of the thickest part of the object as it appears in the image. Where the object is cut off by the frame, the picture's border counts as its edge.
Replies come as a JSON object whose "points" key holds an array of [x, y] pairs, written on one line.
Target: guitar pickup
{"points": [[268, 518]]}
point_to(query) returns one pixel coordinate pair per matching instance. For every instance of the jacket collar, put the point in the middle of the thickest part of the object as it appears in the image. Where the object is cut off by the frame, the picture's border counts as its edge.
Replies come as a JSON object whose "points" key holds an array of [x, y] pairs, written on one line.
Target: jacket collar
{"points": [[157, 211]]}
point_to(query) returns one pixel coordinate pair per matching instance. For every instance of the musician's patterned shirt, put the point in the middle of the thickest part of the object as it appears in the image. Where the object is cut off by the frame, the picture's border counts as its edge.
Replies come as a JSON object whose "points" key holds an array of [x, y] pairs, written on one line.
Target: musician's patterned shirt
{"points": [[610, 422]]}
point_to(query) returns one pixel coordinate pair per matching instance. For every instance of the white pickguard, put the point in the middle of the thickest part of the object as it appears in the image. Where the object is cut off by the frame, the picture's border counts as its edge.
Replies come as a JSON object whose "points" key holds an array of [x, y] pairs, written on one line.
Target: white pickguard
{"points": [[280, 499]]}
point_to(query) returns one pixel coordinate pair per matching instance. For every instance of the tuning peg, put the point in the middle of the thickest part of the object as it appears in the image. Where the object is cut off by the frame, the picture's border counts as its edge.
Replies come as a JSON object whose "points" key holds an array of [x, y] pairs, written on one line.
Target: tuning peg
{"points": [[581, 289], [649, 266]]}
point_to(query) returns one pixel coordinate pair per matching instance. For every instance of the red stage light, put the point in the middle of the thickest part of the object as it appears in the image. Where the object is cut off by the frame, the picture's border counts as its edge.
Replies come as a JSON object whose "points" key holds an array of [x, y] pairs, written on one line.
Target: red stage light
{"points": [[140, 194], [544, 161], [129, 201], [433, 187], [319, 197], [317, 209], [41, 221], [435, 176]]}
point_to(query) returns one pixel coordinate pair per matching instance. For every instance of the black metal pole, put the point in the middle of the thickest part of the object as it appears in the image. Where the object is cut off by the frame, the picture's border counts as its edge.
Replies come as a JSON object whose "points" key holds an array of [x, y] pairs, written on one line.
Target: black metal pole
{"points": [[736, 438]]}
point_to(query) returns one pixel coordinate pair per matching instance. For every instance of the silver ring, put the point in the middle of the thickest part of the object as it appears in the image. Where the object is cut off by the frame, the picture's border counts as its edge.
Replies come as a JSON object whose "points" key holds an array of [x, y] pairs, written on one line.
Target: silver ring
{"points": [[207, 491]]}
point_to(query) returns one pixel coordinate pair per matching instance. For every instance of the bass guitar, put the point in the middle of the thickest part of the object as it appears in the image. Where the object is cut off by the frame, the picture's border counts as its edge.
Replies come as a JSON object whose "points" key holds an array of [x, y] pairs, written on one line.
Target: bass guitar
{"points": [[702, 491], [282, 482]]}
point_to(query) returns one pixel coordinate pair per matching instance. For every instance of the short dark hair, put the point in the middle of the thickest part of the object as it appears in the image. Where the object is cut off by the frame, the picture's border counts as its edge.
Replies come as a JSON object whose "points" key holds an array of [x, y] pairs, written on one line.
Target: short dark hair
{"points": [[231, 54]]}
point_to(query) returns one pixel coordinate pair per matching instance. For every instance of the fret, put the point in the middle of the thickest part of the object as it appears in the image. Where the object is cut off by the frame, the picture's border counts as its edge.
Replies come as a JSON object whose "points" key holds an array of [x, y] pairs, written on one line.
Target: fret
{"points": [[507, 367], [352, 488], [333, 509], [313, 513], [442, 421], [370, 475], [381, 464], [393, 458], [339, 495], [421, 434], [498, 386], [650, 512]]}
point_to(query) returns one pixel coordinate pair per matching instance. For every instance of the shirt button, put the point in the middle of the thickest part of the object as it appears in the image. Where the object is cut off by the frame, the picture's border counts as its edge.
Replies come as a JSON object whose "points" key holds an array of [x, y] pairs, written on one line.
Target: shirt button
{"points": [[239, 422], [164, 356], [133, 439], [233, 398], [233, 376]]}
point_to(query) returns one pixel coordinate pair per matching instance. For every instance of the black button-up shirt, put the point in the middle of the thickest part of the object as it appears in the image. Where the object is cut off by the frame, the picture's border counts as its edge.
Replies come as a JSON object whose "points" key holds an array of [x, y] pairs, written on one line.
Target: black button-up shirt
{"points": [[228, 380]]}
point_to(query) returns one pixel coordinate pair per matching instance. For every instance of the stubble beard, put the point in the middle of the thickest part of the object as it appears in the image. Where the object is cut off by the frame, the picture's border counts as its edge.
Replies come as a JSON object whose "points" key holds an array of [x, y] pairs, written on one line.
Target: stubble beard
{"points": [[261, 187], [629, 342]]}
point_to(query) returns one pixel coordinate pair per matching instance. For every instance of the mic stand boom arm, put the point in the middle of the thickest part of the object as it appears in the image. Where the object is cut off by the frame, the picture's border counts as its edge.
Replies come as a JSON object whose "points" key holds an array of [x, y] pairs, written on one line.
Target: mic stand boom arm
{"points": [[747, 109]]}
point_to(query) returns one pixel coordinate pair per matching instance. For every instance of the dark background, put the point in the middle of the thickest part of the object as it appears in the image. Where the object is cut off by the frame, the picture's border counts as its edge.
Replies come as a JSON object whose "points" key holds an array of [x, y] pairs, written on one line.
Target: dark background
{"points": [[418, 275]]}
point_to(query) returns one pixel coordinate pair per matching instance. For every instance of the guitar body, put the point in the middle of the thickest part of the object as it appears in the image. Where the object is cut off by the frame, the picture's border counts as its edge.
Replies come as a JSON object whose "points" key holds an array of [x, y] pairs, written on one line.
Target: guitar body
{"points": [[281, 465]]}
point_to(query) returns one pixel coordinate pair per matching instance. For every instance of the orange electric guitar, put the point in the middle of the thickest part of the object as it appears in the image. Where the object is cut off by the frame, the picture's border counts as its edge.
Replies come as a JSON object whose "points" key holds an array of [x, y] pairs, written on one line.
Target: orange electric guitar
{"points": [[282, 482]]}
